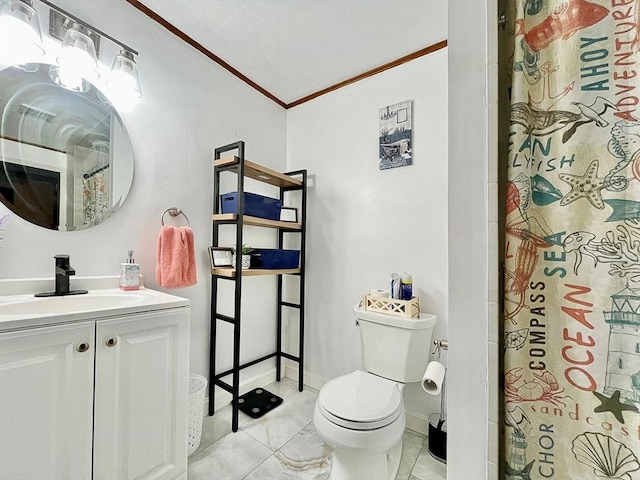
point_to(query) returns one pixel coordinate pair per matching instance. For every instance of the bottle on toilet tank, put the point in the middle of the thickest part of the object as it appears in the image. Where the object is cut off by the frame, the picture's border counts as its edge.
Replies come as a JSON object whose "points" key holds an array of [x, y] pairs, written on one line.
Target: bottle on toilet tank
{"points": [[406, 286], [395, 286]]}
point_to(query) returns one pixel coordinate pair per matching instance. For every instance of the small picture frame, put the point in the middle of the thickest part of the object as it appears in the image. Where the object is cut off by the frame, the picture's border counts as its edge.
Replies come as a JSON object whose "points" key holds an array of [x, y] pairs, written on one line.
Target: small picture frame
{"points": [[289, 214], [220, 257]]}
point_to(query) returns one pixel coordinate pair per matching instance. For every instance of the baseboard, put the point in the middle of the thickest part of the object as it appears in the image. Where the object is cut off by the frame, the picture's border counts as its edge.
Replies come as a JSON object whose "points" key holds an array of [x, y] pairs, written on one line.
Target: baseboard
{"points": [[418, 423], [310, 379], [223, 398], [415, 421]]}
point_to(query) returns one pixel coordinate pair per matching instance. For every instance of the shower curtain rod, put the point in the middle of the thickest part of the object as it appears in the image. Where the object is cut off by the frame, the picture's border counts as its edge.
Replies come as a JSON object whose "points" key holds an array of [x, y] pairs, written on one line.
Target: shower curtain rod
{"points": [[86, 176]]}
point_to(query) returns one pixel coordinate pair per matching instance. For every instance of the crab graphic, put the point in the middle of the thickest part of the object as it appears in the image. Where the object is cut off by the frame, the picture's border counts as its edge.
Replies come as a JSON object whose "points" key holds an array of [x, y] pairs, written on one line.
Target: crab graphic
{"points": [[541, 386]]}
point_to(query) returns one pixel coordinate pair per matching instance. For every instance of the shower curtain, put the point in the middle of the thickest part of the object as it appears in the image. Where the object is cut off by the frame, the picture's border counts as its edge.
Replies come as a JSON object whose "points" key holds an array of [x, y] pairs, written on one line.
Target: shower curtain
{"points": [[572, 241], [96, 205]]}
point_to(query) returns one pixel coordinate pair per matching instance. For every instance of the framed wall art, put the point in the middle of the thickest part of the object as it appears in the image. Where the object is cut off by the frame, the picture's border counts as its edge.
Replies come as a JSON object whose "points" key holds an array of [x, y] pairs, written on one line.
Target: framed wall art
{"points": [[396, 135]]}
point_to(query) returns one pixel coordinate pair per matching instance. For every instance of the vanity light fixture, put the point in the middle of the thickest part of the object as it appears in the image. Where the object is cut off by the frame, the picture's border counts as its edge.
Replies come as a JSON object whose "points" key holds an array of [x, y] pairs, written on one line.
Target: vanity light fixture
{"points": [[20, 36], [78, 58], [79, 54], [124, 75]]}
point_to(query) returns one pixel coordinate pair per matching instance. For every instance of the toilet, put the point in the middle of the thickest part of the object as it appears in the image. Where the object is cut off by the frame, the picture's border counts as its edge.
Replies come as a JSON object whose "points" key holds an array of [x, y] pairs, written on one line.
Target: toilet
{"points": [[361, 414]]}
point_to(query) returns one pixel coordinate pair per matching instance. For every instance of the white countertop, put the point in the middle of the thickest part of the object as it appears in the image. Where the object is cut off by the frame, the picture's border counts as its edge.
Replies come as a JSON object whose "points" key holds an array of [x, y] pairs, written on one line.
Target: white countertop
{"points": [[23, 310]]}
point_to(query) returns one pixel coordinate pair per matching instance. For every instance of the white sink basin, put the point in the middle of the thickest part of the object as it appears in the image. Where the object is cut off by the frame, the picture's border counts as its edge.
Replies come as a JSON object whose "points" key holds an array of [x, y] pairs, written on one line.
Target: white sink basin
{"points": [[68, 303], [25, 310]]}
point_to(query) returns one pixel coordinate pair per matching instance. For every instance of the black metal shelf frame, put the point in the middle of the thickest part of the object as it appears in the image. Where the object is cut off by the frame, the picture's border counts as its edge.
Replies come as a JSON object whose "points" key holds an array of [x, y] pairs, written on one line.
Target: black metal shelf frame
{"points": [[215, 379]]}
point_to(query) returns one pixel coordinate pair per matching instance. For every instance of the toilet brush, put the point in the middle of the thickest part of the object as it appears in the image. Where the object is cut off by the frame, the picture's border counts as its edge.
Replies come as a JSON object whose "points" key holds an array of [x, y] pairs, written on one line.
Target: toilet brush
{"points": [[443, 412]]}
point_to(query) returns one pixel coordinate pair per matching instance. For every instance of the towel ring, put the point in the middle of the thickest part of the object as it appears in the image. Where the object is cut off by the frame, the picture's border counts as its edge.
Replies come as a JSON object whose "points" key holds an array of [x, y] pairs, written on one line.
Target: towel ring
{"points": [[174, 212]]}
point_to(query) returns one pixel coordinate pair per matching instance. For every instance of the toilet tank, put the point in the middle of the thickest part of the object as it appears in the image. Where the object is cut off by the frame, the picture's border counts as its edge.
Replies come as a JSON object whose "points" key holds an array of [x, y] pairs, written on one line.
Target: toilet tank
{"points": [[393, 347]]}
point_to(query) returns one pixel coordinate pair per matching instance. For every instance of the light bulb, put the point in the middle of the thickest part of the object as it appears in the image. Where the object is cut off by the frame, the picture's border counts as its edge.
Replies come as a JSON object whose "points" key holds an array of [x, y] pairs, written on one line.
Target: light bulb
{"points": [[78, 57], [20, 37], [124, 79]]}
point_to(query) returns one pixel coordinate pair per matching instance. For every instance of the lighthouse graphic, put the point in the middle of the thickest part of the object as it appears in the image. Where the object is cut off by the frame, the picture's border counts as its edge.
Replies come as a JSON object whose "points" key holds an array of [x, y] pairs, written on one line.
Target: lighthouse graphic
{"points": [[623, 360]]}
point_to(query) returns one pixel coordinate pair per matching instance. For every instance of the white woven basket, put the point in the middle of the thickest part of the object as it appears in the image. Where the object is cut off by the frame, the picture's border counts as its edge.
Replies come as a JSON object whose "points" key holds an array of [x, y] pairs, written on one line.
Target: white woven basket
{"points": [[197, 390]]}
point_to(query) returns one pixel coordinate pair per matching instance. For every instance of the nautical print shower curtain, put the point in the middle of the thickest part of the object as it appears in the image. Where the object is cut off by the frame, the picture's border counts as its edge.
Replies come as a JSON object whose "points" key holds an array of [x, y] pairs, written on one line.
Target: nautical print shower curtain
{"points": [[572, 242], [95, 197]]}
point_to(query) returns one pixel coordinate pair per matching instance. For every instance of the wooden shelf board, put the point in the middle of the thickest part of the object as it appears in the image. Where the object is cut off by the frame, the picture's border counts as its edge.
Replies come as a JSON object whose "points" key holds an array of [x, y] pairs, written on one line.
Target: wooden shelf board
{"points": [[257, 221], [258, 172], [252, 272]]}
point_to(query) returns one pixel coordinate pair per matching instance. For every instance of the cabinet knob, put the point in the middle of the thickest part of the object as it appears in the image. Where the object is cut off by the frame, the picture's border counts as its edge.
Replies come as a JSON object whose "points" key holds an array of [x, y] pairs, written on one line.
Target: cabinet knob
{"points": [[111, 342], [82, 347]]}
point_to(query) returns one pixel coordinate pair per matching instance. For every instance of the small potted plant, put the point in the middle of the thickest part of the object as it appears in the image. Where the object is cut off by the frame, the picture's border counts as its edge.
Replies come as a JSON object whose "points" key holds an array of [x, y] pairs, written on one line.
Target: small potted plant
{"points": [[246, 256]]}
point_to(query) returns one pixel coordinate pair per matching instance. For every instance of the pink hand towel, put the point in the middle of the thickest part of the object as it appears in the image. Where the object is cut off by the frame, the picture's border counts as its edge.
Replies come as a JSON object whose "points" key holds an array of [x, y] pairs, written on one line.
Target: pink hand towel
{"points": [[175, 257]]}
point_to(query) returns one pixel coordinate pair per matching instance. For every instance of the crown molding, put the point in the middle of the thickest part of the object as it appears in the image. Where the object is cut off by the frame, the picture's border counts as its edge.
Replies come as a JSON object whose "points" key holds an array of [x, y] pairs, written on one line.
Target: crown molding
{"points": [[212, 56]]}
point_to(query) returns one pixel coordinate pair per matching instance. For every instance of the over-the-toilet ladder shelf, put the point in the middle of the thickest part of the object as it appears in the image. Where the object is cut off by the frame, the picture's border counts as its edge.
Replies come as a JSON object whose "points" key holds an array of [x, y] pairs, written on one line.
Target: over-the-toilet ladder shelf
{"points": [[287, 182]]}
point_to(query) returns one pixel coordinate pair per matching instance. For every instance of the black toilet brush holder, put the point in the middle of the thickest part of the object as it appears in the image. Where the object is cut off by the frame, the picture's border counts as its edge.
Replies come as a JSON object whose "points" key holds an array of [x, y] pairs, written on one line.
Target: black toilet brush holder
{"points": [[437, 440]]}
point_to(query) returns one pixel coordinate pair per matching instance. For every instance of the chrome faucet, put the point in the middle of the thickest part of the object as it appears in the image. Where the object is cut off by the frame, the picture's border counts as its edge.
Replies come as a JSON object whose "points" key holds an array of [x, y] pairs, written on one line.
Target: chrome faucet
{"points": [[63, 271]]}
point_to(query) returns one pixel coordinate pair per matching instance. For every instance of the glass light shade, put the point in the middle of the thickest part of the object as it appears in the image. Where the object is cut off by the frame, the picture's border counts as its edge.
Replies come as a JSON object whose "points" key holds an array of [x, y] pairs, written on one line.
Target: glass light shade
{"points": [[20, 36], [70, 82], [124, 79], [77, 58]]}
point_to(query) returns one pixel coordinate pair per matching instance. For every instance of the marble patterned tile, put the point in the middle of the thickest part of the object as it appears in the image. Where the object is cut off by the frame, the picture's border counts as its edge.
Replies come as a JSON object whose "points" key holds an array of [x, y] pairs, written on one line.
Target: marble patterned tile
{"points": [[427, 467], [300, 453], [218, 425], [275, 469], [305, 447], [304, 457], [411, 446], [231, 458], [284, 387], [279, 425]]}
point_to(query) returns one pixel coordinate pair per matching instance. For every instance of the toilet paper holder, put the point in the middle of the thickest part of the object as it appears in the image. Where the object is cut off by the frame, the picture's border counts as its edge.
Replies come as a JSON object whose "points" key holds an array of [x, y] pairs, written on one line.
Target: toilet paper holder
{"points": [[438, 346]]}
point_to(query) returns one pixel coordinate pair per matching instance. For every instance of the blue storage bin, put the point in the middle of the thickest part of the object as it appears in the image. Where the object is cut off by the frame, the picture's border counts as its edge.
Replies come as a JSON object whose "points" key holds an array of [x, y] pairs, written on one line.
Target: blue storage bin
{"points": [[273, 258], [254, 205]]}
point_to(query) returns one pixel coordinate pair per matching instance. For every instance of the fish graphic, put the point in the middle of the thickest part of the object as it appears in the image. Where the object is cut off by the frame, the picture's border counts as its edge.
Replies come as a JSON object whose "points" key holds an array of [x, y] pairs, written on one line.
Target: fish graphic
{"points": [[623, 210], [541, 122], [564, 21]]}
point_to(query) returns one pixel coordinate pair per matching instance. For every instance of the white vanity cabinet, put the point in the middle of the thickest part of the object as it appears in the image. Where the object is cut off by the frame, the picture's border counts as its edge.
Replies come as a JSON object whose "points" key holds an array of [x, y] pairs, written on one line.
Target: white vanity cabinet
{"points": [[104, 399], [141, 397], [46, 402]]}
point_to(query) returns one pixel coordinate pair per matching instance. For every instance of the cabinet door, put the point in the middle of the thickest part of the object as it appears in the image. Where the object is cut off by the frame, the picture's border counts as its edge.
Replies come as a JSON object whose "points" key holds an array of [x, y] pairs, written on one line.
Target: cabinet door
{"points": [[141, 397], [46, 402]]}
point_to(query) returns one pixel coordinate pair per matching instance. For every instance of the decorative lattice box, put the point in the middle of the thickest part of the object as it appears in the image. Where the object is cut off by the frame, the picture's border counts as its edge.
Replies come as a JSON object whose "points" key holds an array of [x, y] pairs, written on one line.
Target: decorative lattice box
{"points": [[391, 306]]}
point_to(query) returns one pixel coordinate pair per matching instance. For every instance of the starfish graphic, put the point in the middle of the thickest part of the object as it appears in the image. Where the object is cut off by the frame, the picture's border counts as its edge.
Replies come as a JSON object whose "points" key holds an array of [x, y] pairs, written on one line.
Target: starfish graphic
{"points": [[587, 185], [612, 404]]}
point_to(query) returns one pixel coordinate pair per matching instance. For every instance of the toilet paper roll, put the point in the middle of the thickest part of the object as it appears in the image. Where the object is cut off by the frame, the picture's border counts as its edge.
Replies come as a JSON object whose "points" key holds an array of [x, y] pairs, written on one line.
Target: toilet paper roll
{"points": [[433, 378], [379, 292]]}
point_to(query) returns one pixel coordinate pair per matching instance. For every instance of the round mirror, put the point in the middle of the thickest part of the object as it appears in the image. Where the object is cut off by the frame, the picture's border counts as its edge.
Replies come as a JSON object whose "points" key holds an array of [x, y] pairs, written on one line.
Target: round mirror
{"points": [[66, 161]]}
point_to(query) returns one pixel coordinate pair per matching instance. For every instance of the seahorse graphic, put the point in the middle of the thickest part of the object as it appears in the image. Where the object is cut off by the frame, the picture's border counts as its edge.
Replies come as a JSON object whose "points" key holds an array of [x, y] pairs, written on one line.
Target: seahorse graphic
{"points": [[625, 145]]}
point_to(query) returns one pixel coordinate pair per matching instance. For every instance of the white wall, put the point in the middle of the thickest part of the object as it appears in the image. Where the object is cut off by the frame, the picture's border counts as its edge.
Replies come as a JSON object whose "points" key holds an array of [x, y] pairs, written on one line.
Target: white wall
{"points": [[190, 106], [473, 246], [364, 223]]}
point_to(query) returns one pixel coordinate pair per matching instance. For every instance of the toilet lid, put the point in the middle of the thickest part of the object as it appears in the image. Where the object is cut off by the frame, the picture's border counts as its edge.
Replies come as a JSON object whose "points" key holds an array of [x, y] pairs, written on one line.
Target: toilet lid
{"points": [[361, 400]]}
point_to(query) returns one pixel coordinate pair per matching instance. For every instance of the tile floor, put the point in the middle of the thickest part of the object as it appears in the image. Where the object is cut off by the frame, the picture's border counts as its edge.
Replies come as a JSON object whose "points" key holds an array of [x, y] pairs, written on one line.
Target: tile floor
{"points": [[283, 445]]}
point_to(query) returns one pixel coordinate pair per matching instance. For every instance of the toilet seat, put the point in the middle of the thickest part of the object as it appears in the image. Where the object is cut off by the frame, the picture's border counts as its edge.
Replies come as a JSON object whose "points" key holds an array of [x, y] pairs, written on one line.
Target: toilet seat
{"points": [[360, 401]]}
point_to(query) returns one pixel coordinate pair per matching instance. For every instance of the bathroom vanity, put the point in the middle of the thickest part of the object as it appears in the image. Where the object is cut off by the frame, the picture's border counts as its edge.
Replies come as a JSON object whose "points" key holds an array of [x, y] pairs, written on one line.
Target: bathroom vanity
{"points": [[94, 386]]}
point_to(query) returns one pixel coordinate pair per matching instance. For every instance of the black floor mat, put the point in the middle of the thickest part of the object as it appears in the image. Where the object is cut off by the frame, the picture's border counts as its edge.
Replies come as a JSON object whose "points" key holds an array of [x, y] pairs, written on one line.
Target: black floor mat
{"points": [[257, 402]]}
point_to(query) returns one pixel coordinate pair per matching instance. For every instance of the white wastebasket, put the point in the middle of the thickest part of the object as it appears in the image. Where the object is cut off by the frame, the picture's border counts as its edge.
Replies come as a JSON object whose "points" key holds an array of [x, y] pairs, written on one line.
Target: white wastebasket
{"points": [[197, 390]]}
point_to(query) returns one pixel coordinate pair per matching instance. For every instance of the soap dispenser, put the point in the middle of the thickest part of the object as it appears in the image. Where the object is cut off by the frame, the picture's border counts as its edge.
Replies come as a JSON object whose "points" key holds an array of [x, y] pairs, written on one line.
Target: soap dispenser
{"points": [[129, 274]]}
